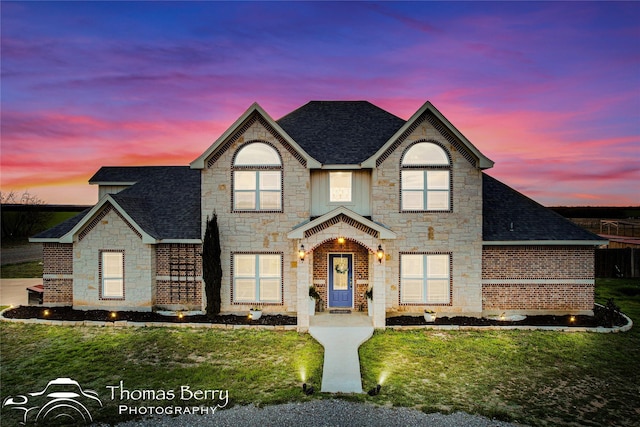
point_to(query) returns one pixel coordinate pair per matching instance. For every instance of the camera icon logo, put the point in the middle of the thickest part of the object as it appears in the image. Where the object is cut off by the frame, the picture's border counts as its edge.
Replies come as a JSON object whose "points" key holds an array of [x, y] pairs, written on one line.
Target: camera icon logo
{"points": [[62, 400]]}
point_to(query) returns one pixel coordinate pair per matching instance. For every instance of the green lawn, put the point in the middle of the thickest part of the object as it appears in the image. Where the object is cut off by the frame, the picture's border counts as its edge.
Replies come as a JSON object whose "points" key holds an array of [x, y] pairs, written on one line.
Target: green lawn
{"points": [[539, 378], [23, 270]]}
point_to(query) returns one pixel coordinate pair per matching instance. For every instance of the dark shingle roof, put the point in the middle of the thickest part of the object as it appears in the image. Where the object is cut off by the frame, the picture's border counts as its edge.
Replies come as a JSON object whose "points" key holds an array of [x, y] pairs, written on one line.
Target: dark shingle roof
{"points": [[340, 132], [165, 202], [502, 207]]}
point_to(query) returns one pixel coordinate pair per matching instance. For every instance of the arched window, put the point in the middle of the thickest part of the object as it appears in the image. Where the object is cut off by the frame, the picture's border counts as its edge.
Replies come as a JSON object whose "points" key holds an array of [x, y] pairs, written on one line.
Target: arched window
{"points": [[425, 178], [257, 178]]}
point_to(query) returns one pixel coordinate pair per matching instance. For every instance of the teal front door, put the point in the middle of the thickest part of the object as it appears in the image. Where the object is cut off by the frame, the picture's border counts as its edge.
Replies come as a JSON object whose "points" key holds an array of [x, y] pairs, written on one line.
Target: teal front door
{"points": [[341, 280]]}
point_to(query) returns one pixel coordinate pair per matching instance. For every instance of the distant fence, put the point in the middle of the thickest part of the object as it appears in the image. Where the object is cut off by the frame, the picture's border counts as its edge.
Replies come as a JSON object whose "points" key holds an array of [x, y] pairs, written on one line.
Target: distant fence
{"points": [[618, 262]]}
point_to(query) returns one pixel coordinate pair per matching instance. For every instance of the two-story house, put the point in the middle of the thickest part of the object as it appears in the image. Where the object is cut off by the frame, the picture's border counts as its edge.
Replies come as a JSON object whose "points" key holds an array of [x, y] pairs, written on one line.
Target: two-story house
{"points": [[338, 194]]}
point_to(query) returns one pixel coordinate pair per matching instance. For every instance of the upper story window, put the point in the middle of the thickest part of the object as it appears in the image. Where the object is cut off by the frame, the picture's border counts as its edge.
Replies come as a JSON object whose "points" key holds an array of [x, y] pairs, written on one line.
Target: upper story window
{"points": [[340, 187], [425, 178], [257, 178]]}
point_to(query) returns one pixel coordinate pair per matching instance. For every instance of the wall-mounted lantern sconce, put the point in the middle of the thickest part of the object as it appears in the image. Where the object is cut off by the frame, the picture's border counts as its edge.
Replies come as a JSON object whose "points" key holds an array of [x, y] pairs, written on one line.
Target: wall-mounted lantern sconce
{"points": [[341, 240], [380, 254], [301, 253]]}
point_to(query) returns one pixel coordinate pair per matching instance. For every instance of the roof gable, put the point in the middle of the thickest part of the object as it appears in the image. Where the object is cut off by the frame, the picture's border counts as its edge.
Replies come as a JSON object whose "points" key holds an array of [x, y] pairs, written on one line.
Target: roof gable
{"points": [[340, 132], [236, 130], [446, 129]]}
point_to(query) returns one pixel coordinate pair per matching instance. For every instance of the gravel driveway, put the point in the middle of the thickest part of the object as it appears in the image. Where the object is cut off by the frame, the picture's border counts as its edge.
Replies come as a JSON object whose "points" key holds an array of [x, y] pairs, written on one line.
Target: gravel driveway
{"points": [[320, 413]]}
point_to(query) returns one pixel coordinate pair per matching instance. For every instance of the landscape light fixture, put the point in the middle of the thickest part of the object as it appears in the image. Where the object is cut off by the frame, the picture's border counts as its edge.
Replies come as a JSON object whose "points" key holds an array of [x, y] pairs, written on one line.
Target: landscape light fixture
{"points": [[113, 314], [301, 253], [308, 390], [46, 312], [380, 254], [375, 391]]}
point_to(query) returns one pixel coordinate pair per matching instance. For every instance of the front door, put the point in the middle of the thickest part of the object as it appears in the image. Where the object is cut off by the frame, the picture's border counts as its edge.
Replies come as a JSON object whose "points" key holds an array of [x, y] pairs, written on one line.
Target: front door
{"points": [[340, 280]]}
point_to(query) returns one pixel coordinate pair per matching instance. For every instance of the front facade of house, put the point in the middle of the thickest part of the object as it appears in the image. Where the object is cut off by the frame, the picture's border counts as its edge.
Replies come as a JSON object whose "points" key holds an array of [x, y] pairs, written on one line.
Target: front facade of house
{"points": [[340, 195]]}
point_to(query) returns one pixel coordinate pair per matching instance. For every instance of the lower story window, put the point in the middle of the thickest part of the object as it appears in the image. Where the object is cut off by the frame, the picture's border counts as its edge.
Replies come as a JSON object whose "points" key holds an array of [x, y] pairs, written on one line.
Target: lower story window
{"points": [[257, 278], [425, 278], [112, 268]]}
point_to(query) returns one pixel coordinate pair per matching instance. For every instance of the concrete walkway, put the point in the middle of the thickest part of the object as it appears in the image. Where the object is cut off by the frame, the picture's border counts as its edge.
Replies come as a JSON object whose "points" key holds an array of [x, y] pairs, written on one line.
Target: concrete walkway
{"points": [[14, 291], [341, 335]]}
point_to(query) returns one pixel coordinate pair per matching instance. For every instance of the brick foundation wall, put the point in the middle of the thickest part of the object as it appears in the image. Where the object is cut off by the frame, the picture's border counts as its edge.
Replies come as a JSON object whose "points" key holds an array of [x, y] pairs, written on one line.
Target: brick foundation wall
{"points": [[57, 273], [57, 291], [546, 278], [360, 267]]}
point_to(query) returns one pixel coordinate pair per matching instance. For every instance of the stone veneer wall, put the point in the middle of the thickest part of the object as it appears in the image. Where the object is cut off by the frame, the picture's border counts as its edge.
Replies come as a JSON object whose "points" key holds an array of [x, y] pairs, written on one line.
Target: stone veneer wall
{"points": [[256, 232], [458, 232], [180, 287], [110, 231], [57, 278], [541, 278], [360, 266]]}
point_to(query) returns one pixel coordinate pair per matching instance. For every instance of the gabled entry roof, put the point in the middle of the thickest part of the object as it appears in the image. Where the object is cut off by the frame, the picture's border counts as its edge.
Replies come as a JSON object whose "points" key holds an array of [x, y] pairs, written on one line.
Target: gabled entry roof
{"points": [[341, 214]]}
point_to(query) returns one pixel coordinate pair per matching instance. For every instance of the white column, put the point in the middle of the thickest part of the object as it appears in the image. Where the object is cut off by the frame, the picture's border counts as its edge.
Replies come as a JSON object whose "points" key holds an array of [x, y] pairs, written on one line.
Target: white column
{"points": [[379, 292], [304, 281]]}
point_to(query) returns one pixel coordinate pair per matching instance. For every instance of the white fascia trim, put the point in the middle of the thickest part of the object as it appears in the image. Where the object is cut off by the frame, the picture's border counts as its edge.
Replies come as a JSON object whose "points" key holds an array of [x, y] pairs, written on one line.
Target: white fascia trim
{"points": [[298, 233], [44, 240], [129, 183], [483, 161], [69, 237], [255, 107], [544, 242]]}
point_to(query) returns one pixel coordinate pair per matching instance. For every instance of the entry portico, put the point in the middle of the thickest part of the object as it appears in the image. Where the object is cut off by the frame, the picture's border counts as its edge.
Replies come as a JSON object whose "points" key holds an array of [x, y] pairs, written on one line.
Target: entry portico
{"points": [[341, 225]]}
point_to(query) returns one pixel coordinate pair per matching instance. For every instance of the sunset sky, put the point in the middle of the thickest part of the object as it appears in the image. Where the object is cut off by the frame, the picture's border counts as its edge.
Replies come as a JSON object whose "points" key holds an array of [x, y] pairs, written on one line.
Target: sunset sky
{"points": [[550, 91]]}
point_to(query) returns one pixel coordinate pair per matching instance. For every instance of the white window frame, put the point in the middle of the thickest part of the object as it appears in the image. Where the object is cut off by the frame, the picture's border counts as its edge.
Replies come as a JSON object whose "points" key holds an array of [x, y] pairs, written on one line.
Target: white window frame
{"points": [[429, 171], [259, 193], [258, 279], [340, 197], [428, 282], [110, 279]]}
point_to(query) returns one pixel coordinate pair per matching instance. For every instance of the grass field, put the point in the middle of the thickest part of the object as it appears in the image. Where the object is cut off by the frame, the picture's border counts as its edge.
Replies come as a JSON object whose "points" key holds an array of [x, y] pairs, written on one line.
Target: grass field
{"points": [[534, 377]]}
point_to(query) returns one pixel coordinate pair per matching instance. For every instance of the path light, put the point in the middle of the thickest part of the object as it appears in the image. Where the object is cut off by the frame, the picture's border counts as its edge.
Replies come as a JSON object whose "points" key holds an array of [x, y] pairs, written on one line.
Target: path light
{"points": [[46, 312], [180, 315], [375, 391], [113, 314], [380, 254], [572, 319], [308, 390], [301, 253]]}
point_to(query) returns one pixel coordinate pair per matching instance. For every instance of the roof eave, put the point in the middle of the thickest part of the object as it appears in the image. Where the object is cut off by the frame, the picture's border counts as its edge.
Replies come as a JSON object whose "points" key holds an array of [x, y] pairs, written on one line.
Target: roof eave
{"points": [[544, 242], [199, 163], [298, 233]]}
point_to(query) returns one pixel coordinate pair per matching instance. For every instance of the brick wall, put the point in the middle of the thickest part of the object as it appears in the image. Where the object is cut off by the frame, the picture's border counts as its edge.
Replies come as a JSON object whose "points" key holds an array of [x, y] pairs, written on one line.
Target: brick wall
{"points": [[360, 267], [541, 278], [57, 273], [179, 276], [537, 262]]}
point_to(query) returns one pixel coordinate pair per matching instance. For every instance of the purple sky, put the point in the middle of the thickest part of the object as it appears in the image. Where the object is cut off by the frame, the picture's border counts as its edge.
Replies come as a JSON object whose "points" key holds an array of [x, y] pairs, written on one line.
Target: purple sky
{"points": [[550, 91]]}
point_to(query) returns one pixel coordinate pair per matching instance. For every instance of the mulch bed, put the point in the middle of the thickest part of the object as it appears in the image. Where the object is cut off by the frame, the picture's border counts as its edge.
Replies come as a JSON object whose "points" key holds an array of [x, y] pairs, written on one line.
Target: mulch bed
{"points": [[67, 313]]}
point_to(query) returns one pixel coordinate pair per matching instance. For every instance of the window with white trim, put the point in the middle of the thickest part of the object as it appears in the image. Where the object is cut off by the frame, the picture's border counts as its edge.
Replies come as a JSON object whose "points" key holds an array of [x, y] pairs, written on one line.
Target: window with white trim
{"points": [[425, 178], [257, 278], [257, 178], [112, 271], [425, 278], [340, 186]]}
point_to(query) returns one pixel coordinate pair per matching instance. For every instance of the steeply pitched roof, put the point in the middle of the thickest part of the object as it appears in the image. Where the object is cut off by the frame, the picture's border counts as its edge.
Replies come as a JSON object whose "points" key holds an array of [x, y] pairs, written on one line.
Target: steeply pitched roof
{"points": [[340, 132], [509, 216], [165, 201]]}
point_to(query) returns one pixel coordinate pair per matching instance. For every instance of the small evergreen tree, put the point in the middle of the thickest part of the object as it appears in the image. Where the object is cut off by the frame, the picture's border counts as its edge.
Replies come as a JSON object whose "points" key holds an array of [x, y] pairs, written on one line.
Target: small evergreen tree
{"points": [[212, 266]]}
